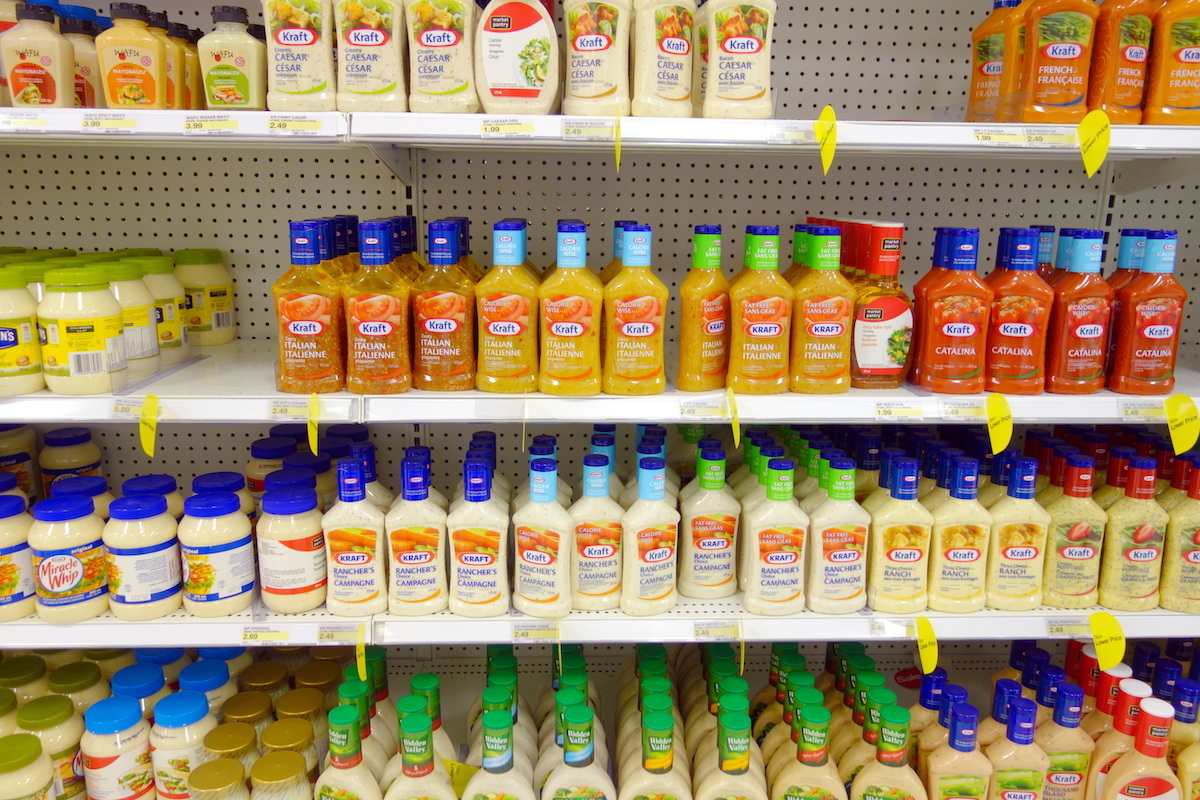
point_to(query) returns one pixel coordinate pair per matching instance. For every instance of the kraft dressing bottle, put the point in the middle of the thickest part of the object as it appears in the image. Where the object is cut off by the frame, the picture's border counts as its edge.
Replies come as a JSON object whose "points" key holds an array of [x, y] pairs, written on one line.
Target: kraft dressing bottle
{"points": [[1018, 537], [543, 531], [837, 577], [596, 556], [1067, 746], [416, 530], [777, 531], [478, 532], [958, 545], [898, 544], [707, 554], [650, 530]]}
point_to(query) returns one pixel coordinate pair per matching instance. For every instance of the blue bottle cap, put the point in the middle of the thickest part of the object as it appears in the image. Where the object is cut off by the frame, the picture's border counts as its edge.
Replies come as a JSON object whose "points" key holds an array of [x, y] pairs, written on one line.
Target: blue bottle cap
{"points": [[305, 246], [1022, 483], [285, 502], [1087, 251], [887, 459], [419, 451], [1045, 243], [1068, 705], [376, 243], [1017, 652], [477, 480], [945, 459], [1023, 250], [1022, 715], [218, 482], [11, 505], [286, 479], [220, 653], [80, 486], [158, 655], [762, 230], [964, 250], [904, 479], [1003, 252], [352, 485], [296, 431], [964, 478], [1050, 678], [964, 719], [334, 446], [952, 695], [139, 680], [1178, 649], [711, 230], [180, 709], [508, 242], [1161, 248], [1186, 700], [1035, 659], [215, 504], [1167, 672], [414, 479], [868, 455], [1132, 254], [355, 431], [63, 509], [443, 246], [1004, 692], [365, 452], [928, 456], [318, 463], [204, 676], [8, 481], [932, 684], [149, 484], [595, 475], [112, 715], [543, 480], [138, 507]]}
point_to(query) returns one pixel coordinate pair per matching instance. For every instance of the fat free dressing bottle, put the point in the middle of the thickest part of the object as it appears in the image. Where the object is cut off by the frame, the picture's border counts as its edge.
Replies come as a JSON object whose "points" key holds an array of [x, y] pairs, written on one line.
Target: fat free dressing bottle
{"points": [[837, 578], [710, 532], [777, 531]]}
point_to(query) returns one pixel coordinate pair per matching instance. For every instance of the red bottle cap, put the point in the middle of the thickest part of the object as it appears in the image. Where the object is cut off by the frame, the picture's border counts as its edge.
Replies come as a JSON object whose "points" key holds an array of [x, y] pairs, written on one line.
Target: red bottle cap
{"points": [[1194, 484], [1096, 446], [1154, 727], [1118, 468], [1130, 693], [1080, 477], [1141, 479], [1181, 477], [883, 252], [1071, 662], [1166, 464], [1110, 679], [1088, 674], [1146, 444]]}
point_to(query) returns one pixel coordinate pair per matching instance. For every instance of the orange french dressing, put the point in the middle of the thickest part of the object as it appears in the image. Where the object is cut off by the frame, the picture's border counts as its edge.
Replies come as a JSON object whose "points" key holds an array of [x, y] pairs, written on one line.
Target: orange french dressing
{"points": [[308, 309], [376, 301], [1020, 319], [1080, 320], [941, 260], [761, 307], [635, 304], [954, 329], [507, 300], [1001, 267], [1121, 53], [1058, 56], [1173, 88], [822, 317], [571, 303], [989, 47], [883, 314], [704, 317], [1012, 76], [1148, 329], [443, 312]]}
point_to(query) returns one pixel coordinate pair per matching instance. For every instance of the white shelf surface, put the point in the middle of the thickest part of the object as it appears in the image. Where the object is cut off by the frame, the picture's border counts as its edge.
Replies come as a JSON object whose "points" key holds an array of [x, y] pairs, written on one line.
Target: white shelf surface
{"points": [[213, 127]]}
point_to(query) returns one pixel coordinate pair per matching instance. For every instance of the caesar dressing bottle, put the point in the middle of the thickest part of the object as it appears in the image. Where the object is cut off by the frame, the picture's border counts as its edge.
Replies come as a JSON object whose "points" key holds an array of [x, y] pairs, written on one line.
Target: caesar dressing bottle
{"points": [[498, 778], [1067, 746], [811, 775], [1018, 537], [889, 775], [1020, 766], [708, 547], [596, 555], [650, 530], [837, 578], [897, 581], [416, 529], [777, 531], [543, 531], [958, 769]]}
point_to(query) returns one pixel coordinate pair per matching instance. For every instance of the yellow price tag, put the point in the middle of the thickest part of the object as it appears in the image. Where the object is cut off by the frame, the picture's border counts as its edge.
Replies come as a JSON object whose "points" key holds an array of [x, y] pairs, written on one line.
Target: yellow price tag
{"points": [[293, 124], [588, 130], [314, 416], [961, 409], [999, 137], [19, 121], [504, 129], [1067, 627], [1108, 638], [999, 421], [897, 409], [1052, 138], [259, 635], [1094, 133], [201, 124], [617, 143], [702, 407], [826, 130], [148, 425], [927, 645], [1142, 410], [127, 407], [731, 402], [532, 631], [460, 775], [288, 408], [792, 133], [716, 630], [1184, 422], [107, 123]]}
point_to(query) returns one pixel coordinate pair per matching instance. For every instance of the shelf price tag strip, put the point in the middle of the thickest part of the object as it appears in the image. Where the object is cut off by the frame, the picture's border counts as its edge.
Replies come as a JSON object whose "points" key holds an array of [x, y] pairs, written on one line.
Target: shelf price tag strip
{"points": [[1067, 627], [505, 128], [953, 408], [120, 122], [1139, 410], [791, 133], [999, 137], [202, 124], [712, 406], [588, 130], [898, 409], [259, 634], [535, 631]]}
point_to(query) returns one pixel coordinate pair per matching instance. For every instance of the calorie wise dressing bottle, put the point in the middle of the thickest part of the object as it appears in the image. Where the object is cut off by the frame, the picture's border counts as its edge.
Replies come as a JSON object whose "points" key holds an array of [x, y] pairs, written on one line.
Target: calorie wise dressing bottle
{"points": [[596, 556], [570, 303], [1018, 541], [889, 776], [958, 544], [353, 528], [775, 561], [376, 300], [1080, 321], [506, 298], [1020, 312], [308, 307], [954, 333], [1147, 330], [708, 546], [543, 531], [704, 316], [416, 529], [650, 530], [1121, 54], [443, 325], [823, 311], [635, 303], [837, 577], [761, 308], [897, 582]]}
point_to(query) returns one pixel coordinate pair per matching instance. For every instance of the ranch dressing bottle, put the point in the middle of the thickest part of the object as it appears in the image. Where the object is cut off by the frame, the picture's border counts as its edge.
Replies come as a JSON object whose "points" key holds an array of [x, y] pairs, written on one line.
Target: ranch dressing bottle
{"points": [[758, 492], [378, 494], [354, 540], [543, 531], [777, 530], [837, 578], [596, 555], [1018, 537], [732, 776], [657, 773], [597, 43], [897, 581], [416, 530], [300, 66], [862, 752], [418, 778], [428, 686], [498, 778], [710, 532], [478, 532], [958, 545], [579, 776], [650, 530], [347, 774]]}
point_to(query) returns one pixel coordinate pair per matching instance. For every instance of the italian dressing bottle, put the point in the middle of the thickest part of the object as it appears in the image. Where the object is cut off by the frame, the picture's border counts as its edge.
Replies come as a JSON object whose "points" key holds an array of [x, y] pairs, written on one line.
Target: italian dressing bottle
{"points": [[650, 530], [898, 545], [479, 545], [958, 544], [889, 777], [571, 314], [1067, 746], [761, 314], [358, 577], [837, 578], [708, 549], [596, 554], [506, 296], [416, 529], [543, 531], [498, 778], [777, 530], [704, 316], [443, 302], [346, 773], [1018, 539], [418, 778], [635, 303], [579, 776]]}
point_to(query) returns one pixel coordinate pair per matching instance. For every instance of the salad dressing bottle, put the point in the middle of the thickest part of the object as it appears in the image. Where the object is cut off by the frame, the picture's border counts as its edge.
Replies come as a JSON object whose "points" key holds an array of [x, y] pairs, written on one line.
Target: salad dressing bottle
{"points": [[1019, 764], [596, 555], [775, 562], [428, 686], [859, 685], [924, 712], [704, 317], [635, 304], [1181, 572], [1144, 771], [862, 752], [811, 775], [1151, 318], [997, 488], [822, 324], [346, 773], [995, 727], [1117, 742], [657, 773], [1071, 571], [1100, 720], [938, 734], [479, 549], [887, 456], [778, 746], [1117, 478], [377, 494], [811, 501], [777, 711], [570, 311], [506, 299], [761, 308], [418, 778], [579, 775], [358, 580], [837, 579], [898, 543], [732, 777], [443, 325], [543, 529], [708, 546], [308, 309], [1018, 539], [1050, 678], [957, 768], [498, 778], [770, 693], [377, 740], [650, 530], [889, 775], [1133, 542], [958, 544], [1067, 746], [757, 493], [940, 493], [416, 530]]}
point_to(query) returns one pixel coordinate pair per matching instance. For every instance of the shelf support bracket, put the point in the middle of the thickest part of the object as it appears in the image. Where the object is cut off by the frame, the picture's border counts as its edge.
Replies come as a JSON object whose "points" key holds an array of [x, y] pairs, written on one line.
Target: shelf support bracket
{"points": [[1137, 176], [398, 159]]}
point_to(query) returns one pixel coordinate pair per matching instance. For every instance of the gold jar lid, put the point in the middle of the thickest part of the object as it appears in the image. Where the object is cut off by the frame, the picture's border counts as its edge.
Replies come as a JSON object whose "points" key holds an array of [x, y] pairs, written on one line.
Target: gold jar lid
{"points": [[287, 734], [340, 655], [263, 676], [232, 740], [323, 676], [216, 779], [247, 707], [278, 770], [303, 704]]}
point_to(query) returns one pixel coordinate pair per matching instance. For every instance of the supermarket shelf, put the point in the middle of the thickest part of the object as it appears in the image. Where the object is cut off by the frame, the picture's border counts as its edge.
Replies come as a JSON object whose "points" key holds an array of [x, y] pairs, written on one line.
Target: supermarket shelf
{"points": [[172, 127]]}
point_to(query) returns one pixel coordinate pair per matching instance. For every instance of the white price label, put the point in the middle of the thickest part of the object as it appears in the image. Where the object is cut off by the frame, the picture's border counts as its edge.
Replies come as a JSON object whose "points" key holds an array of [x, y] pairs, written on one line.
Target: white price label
{"points": [[714, 407], [890, 628], [1051, 138], [511, 128], [898, 409], [294, 125], [127, 407], [1142, 410], [122, 123], [716, 630], [18, 121], [791, 133], [256, 634], [532, 631], [954, 408], [588, 130], [1067, 627], [288, 408], [203, 124]]}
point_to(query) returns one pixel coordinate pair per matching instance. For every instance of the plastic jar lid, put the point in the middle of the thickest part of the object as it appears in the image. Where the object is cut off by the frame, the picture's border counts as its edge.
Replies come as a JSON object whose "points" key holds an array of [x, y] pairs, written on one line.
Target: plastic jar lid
{"points": [[218, 482], [124, 271], [65, 437], [317, 463], [274, 447], [8, 481], [12, 278], [156, 265], [247, 707], [45, 712], [289, 501], [158, 655], [198, 256], [76, 278], [104, 654], [220, 653], [21, 670], [8, 701], [334, 446], [112, 715], [138, 680], [204, 676], [138, 507], [79, 486], [19, 750], [263, 676], [293, 477], [150, 484], [11, 505], [127, 11], [302, 702], [180, 709], [63, 509], [212, 504], [355, 431], [74, 677]]}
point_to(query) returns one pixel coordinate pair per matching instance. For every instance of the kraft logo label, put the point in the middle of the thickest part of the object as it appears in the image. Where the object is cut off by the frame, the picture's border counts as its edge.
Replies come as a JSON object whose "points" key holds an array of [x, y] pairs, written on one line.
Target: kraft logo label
{"points": [[904, 555], [1018, 329], [1089, 331], [570, 329], [1142, 555], [992, 68], [296, 37], [1064, 51], [378, 328], [592, 42], [1192, 556], [713, 327], [305, 327], [764, 330], [675, 45], [367, 37], [476, 559], [439, 38], [781, 559], [962, 555], [1077, 552], [536, 557], [440, 325], [741, 44], [959, 329], [1188, 55], [360, 559], [1065, 778], [843, 556], [1135, 53], [1158, 331], [714, 543], [1020, 553], [302, 240], [504, 328], [826, 329], [657, 555], [637, 330], [599, 551], [417, 558]]}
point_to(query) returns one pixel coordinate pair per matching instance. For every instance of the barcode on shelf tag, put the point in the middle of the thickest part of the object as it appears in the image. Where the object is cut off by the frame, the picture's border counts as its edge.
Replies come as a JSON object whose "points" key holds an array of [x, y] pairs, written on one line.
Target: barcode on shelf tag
{"points": [[1067, 627], [288, 408], [18, 121], [716, 630], [294, 124], [890, 628], [999, 137], [263, 633], [957, 408], [1053, 138], [328, 632], [538, 630], [791, 133], [712, 406], [124, 123], [588, 130], [898, 409], [127, 407], [505, 129], [1142, 410], [200, 124]]}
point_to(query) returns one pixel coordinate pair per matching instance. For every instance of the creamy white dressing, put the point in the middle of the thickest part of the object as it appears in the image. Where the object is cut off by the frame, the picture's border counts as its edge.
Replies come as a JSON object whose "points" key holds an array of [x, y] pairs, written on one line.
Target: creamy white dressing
{"points": [[650, 532], [596, 555], [709, 534]]}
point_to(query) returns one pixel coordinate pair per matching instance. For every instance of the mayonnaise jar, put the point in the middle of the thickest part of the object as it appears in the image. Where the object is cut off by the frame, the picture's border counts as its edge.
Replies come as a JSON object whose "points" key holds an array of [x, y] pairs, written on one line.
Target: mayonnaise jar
{"points": [[236, 658], [26, 677], [171, 660], [53, 720], [26, 773], [92, 486], [116, 750], [68, 560], [212, 679], [269, 677], [138, 317], [66, 453], [110, 661], [59, 658], [145, 579], [252, 708], [208, 287], [308, 705], [170, 305], [227, 482], [8, 712], [218, 555], [81, 683], [21, 359], [266, 456], [291, 551], [234, 740], [164, 485], [177, 742], [322, 467], [80, 323], [18, 455], [144, 683], [16, 560]]}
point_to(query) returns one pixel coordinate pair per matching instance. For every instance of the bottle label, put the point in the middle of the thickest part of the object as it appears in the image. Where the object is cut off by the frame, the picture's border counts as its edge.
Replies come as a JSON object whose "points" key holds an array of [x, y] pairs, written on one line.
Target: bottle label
{"points": [[218, 571], [1017, 569], [656, 561], [225, 82], [1068, 773], [1183, 74], [71, 575], [884, 792], [1019, 784], [476, 574], [581, 793], [507, 342], [989, 65], [172, 768], [440, 33], [960, 568], [21, 465], [962, 787], [714, 557], [635, 337], [1155, 337], [672, 56], [904, 569], [130, 81], [377, 349], [807, 792], [31, 79], [309, 344], [1074, 567], [352, 564], [883, 330], [591, 32], [597, 570], [20, 352], [1085, 339], [16, 574], [45, 793], [144, 574], [709, 319], [443, 331], [538, 572], [843, 562], [1017, 341], [1064, 45], [741, 69], [1192, 792], [366, 49], [81, 348], [210, 308], [1149, 787], [515, 42], [68, 773], [168, 315], [569, 336], [127, 776], [294, 566], [1139, 566], [294, 48], [781, 571], [53, 476], [765, 322], [139, 332], [1186, 584], [1134, 56], [821, 351], [958, 336]]}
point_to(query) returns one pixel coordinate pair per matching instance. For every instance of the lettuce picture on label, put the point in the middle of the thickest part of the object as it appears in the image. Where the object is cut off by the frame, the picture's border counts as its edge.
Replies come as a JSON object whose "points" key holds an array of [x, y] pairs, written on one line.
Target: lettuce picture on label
{"points": [[438, 15], [295, 14], [374, 14], [535, 61]]}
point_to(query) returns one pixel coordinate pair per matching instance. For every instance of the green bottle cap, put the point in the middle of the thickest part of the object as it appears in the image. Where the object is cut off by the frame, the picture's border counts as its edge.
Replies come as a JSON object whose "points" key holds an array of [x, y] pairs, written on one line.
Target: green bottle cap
{"points": [[706, 251], [812, 745], [733, 703], [733, 684], [19, 750], [719, 670], [777, 650], [497, 741], [892, 747], [73, 677], [733, 743], [657, 702], [410, 704], [578, 747], [557, 654], [345, 737], [809, 696], [658, 742], [878, 698], [496, 698], [21, 670], [564, 699], [416, 745], [691, 434], [45, 712]]}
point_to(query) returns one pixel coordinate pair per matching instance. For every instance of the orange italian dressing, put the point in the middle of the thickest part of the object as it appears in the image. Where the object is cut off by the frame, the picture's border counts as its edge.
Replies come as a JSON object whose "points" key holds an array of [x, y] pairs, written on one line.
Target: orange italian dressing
{"points": [[955, 327], [1119, 58], [1173, 89], [1080, 320], [308, 308], [988, 47], [376, 302], [704, 317], [1058, 54], [761, 303], [570, 304], [443, 308], [507, 300], [635, 304], [941, 259], [1020, 316], [823, 310], [883, 315], [1148, 328]]}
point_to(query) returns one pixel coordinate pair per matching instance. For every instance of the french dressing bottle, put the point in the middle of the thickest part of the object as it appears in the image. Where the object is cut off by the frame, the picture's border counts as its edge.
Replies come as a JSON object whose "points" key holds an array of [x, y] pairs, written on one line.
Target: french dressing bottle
{"points": [[506, 298], [479, 549], [1058, 48], [988, 64], [1171, 89], [957, 768], [1131, 564], [761, 308], [308, 309], [443, 325], [1017, 542], [650, 531], [571, 303], [635, 303], [889, 777], [1071, 572], [543, 531], [823, 317], [704, 316], [1120, 56], [708, 547]]}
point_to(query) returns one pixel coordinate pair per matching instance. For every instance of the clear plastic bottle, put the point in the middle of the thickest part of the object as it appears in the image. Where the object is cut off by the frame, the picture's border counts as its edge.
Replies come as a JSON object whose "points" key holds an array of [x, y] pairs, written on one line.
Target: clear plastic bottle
{"points": [[354, 542], [543, 532], [650, 531], [416, 530], [209, 314], [596, 557]]}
